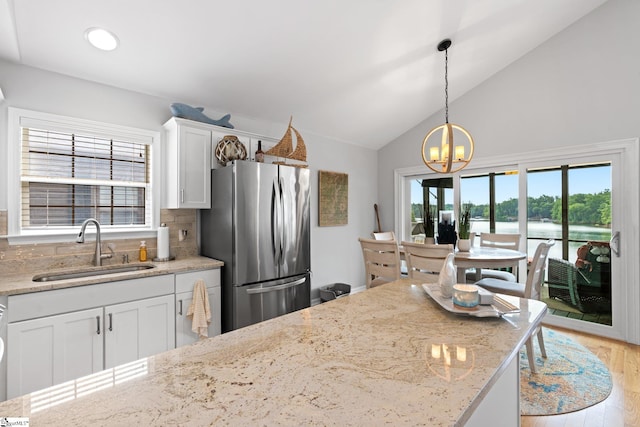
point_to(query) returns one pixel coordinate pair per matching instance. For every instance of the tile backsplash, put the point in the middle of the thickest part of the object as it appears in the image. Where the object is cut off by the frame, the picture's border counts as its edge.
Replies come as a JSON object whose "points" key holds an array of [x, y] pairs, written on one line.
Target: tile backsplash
{"points": [[41, 257]]}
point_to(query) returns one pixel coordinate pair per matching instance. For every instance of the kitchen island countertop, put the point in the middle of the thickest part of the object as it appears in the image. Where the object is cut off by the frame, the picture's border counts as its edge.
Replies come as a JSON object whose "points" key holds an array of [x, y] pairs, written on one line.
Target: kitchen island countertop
{"points": [[388, 355]]}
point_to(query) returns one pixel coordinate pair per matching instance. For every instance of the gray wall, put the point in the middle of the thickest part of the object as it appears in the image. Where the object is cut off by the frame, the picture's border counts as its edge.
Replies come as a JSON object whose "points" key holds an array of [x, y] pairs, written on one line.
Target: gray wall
{"points": [[580, 87], [335, 251]]}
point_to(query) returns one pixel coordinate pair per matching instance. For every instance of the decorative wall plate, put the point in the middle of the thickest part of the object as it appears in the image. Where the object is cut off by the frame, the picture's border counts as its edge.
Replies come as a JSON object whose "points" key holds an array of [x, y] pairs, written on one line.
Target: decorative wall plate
{"points": [[230, 148]]}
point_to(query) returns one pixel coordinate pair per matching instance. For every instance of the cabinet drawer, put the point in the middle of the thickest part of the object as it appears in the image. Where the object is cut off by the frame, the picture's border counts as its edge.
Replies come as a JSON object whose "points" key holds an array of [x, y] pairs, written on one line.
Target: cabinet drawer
{"points": [[185, 281], [59, 301]]}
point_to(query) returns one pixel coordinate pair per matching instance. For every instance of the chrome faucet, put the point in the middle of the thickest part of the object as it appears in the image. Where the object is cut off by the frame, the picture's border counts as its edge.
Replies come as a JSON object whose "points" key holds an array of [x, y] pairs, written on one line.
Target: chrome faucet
{"points": [[97, 257]]}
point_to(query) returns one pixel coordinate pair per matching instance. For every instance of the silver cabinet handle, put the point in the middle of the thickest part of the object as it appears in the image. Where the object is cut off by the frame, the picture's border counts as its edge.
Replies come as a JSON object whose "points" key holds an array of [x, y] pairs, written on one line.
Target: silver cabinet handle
{"points": [[277, 287], [180, 307], [110, 322], [98, 322], [182, 195]]}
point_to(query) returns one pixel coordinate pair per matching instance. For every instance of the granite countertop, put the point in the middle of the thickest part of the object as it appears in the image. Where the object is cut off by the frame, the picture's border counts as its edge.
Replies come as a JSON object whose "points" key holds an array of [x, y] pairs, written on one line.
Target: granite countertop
{"points": [[366, 359], [14, 284]]}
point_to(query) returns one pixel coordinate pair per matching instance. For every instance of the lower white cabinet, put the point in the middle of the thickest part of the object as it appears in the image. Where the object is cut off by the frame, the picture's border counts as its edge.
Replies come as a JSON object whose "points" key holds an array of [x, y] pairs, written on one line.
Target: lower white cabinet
{"points": [[184, 296], [60, 335], [136, 319], [52, 350], [138, 329]]}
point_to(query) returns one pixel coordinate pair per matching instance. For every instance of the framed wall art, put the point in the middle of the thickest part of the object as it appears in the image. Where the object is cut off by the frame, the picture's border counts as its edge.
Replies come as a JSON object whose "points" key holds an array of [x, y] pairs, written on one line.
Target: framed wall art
{"points": [[333, 195]]}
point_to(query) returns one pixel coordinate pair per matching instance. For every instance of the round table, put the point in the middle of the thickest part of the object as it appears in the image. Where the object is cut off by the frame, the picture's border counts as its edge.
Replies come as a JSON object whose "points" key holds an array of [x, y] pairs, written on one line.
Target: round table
{"points": [[480, 257]]}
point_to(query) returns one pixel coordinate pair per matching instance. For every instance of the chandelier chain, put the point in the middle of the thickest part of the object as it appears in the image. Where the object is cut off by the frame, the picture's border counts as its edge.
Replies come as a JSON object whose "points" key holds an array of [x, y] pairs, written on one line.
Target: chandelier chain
{"points": [[446, 86]]}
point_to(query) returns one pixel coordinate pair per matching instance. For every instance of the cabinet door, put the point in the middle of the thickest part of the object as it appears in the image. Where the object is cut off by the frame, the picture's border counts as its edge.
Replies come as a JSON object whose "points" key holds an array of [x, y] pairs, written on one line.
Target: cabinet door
{"points": [[194, 150], [138, 329], [51, 350], [184, 334]]}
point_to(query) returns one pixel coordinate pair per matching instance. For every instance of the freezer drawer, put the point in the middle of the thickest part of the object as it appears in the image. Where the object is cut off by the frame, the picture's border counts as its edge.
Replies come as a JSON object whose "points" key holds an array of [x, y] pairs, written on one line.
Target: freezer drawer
{"points": [[255, 303]]}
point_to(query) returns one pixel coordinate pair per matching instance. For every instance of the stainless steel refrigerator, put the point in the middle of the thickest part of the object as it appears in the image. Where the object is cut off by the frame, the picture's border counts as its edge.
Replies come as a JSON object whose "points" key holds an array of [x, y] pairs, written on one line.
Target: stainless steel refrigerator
{"points": [[259, 226]]}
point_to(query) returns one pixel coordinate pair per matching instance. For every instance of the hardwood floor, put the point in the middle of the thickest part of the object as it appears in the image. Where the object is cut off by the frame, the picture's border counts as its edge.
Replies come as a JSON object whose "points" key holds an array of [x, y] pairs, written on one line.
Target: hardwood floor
{"points": [[622, 407]]}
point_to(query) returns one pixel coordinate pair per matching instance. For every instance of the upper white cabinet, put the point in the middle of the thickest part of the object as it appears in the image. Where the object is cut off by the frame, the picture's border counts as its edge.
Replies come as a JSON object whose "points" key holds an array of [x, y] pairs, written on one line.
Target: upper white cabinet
{"points": [[187, 156]]}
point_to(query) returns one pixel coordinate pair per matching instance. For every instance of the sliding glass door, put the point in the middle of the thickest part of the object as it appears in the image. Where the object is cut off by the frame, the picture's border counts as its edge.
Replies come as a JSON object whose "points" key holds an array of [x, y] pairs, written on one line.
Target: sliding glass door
{"points": [[572, 204]]}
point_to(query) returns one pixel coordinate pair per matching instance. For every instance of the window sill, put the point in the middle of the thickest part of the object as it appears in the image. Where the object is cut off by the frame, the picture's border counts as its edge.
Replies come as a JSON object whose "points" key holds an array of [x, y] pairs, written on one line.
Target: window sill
{"points": [[60, 236]]}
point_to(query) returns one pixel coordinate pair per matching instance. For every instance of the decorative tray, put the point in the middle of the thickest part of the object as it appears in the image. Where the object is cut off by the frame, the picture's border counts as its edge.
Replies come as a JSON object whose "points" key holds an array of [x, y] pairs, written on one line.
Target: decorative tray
{"points": [[498, 308]]}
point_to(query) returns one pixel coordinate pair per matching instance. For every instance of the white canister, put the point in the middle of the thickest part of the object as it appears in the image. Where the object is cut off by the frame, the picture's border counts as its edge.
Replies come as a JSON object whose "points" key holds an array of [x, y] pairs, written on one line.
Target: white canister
{"points": [[163, 242]]}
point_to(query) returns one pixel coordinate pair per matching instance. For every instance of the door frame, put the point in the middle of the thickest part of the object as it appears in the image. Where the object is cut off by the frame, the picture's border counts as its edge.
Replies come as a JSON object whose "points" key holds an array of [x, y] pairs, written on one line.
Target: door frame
{"points": [[625, 157]]}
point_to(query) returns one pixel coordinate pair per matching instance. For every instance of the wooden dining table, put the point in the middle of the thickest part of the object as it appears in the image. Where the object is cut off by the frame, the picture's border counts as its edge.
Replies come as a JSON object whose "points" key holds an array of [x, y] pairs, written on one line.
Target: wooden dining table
{"points": [[480, 257]]}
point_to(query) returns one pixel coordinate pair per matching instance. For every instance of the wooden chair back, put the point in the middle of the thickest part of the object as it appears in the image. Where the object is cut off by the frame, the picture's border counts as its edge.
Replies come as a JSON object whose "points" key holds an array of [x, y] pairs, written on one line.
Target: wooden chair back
{"points": [[384, 235], [425, 261], [381, 261]]}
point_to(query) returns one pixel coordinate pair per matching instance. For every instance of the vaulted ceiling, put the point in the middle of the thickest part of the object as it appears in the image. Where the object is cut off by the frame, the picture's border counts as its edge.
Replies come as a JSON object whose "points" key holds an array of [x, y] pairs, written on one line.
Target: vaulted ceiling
{"points": [[358, 71]]}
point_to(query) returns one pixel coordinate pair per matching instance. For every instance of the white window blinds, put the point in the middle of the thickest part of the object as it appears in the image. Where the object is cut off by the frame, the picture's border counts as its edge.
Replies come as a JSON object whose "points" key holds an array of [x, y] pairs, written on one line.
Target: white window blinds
{"points": [[67, 177]]}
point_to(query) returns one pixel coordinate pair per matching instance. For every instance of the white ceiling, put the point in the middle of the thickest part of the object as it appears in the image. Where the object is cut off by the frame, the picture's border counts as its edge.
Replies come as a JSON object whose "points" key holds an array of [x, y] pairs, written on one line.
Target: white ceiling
{"points": [[359, 71]]}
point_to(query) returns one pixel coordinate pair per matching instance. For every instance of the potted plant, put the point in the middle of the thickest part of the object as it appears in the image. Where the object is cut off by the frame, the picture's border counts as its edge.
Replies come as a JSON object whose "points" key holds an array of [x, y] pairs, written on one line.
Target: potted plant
{"points": [[429, 226], [464, 227]]}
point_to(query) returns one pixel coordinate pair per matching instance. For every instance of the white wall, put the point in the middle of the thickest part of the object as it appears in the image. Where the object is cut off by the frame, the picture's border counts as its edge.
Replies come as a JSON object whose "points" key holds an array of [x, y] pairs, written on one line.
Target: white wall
{"points": [[581, 86], [335, 252]]}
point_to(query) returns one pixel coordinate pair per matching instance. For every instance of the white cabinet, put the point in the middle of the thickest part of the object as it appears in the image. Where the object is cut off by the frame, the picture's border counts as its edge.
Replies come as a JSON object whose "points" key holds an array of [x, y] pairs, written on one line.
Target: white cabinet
{"points": [[138, 329], [60, 335], [187, 156], [51, 350], [184, 295]]}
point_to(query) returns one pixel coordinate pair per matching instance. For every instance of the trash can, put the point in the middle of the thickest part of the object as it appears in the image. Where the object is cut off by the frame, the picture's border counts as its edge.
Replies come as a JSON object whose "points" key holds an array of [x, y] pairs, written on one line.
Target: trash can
{"points": [[334, 291]]}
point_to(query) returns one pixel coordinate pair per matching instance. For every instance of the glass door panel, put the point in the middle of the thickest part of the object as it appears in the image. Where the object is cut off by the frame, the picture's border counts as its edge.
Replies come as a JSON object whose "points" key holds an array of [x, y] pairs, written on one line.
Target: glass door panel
{"points": [[544, 193], [589, 225], [506, 203], [572, 204], [494, 202], [474, 190]]}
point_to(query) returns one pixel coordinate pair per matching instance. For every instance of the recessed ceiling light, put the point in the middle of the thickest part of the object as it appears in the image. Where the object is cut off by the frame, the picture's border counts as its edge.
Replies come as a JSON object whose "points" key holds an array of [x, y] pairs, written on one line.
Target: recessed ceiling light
{"points": [[101, 38]]}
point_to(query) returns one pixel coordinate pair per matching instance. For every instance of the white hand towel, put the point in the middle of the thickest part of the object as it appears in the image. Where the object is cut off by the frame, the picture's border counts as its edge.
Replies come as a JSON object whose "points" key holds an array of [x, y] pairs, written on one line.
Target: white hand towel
{"points": [[200, 310]]}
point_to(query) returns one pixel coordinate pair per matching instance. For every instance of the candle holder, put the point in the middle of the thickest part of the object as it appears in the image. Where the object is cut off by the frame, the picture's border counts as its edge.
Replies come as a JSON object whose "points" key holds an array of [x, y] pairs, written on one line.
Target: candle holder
{"points": [[466, 296]]}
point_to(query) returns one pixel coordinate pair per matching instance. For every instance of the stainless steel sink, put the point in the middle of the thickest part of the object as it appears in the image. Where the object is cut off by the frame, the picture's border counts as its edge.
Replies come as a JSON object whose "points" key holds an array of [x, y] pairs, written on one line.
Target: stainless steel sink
{"points": [[90, 271]]}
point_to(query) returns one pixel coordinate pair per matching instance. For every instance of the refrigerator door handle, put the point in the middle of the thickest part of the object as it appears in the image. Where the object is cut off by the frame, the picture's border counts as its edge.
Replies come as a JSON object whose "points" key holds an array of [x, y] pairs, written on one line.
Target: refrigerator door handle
{"points": [[277, 287], [283, 222], [275, 223]]}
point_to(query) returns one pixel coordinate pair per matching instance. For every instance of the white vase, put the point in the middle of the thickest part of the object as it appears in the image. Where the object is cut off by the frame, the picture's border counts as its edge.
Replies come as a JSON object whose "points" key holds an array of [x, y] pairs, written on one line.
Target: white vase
{"points": [[447, 277], [464, 245]]}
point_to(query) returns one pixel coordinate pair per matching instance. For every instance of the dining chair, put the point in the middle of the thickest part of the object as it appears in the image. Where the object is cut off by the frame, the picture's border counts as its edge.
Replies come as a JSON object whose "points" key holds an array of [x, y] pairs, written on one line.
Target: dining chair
{"points": [[424, 261], [530, 290], [498, 240], [381, 261], [384, 235]]}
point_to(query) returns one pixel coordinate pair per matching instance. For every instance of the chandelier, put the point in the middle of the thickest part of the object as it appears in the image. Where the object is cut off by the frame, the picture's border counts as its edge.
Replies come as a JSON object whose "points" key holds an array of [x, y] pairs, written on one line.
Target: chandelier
{"points": [[443, 155]]}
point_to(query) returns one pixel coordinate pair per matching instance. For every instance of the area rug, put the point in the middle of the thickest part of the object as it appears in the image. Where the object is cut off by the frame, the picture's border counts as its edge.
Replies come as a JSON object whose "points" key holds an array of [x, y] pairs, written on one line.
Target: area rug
{"points": [[569, 379]]}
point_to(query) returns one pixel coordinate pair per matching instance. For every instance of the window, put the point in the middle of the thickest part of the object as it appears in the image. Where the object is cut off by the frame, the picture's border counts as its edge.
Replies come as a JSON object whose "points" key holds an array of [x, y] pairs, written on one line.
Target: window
{"points": [[494, 201], [70, 170]]}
